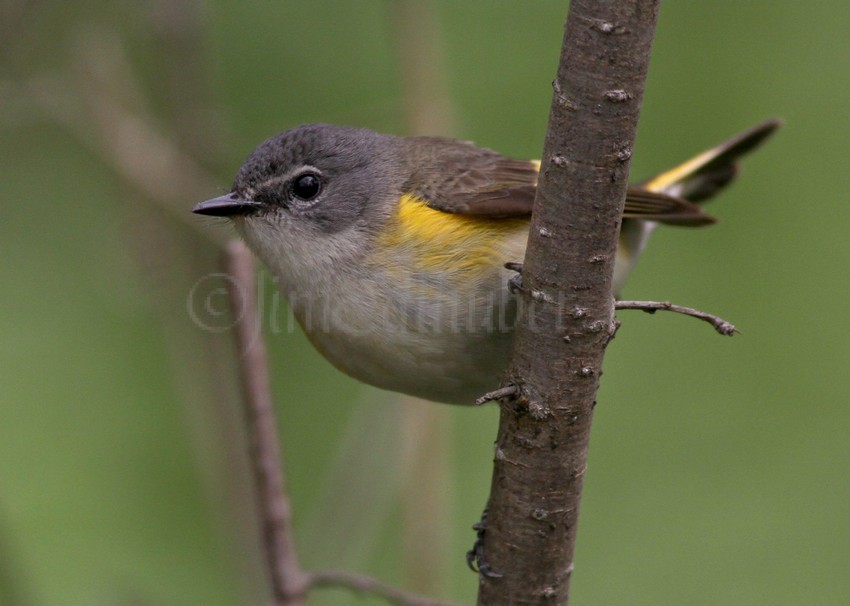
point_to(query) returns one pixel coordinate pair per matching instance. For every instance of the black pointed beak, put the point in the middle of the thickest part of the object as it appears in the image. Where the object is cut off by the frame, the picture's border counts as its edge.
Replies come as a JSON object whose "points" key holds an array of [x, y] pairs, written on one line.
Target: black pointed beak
{"points": [[226, 206]]}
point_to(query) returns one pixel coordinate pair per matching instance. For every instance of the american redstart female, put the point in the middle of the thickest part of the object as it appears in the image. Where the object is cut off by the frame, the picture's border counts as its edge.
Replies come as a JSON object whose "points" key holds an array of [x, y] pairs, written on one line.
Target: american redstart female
{"points": [[391, 250]]}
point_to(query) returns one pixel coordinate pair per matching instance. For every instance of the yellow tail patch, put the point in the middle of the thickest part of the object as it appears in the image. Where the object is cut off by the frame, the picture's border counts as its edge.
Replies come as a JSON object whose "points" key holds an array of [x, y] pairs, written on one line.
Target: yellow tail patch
{"points": [[679, 173]]}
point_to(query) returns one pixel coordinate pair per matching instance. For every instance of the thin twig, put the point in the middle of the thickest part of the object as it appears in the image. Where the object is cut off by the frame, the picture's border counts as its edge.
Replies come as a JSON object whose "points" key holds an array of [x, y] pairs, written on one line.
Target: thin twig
{"points": [[497, 394], [719, 324], [360, 583], [289, 582], [426, 450]]}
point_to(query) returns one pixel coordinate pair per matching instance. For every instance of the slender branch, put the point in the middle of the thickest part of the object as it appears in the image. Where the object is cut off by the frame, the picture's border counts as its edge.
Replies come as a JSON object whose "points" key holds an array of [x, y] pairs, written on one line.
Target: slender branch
{"points": [[427, 102], [541, 448], [360, 583], [508, 391], [719, 324], [426, 450], [289, 582]]}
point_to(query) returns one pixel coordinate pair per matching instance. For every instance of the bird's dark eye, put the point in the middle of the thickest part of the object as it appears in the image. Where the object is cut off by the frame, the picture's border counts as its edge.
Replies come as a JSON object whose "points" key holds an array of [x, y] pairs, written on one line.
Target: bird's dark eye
{"points": [[306, 186]]}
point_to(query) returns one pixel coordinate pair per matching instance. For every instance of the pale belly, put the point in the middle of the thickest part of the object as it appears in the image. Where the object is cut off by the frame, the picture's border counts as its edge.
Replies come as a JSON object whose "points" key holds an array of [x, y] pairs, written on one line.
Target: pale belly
{"points": [[435, 335], [433, 347]]}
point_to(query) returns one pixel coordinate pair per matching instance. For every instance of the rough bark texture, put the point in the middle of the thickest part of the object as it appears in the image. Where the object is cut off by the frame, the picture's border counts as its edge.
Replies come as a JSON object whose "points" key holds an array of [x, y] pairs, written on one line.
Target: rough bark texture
{"points": [[568, 317]]}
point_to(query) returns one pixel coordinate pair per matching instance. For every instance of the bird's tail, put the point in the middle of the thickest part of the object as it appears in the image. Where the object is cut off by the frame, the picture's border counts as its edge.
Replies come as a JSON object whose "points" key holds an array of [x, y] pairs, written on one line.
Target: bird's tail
{"points": [[696, 180], [704, 175]]}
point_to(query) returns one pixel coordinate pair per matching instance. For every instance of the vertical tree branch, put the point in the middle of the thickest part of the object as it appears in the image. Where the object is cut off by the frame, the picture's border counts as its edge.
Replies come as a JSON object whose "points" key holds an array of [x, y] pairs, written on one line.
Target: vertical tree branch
{"points": [[568, 314]]}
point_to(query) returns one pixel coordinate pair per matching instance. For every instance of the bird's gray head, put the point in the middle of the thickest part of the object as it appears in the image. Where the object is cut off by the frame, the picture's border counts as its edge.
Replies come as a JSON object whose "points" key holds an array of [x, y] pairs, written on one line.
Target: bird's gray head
{"points": [[311, 182], [318, 175]]}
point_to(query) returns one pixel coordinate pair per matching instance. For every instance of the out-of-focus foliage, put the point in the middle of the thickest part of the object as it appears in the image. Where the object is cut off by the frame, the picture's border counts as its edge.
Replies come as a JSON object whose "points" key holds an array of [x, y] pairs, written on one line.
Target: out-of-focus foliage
{"points": [[718, 467]]}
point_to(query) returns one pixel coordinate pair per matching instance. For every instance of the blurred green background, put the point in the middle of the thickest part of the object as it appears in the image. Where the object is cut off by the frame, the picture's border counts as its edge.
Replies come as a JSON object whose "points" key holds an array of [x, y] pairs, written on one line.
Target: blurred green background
{"points": [[718, 468]]}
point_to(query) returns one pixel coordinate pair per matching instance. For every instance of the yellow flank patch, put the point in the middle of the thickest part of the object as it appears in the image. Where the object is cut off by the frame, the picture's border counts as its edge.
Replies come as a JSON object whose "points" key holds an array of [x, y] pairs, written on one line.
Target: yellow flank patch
{"points": [[426, 239]]}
